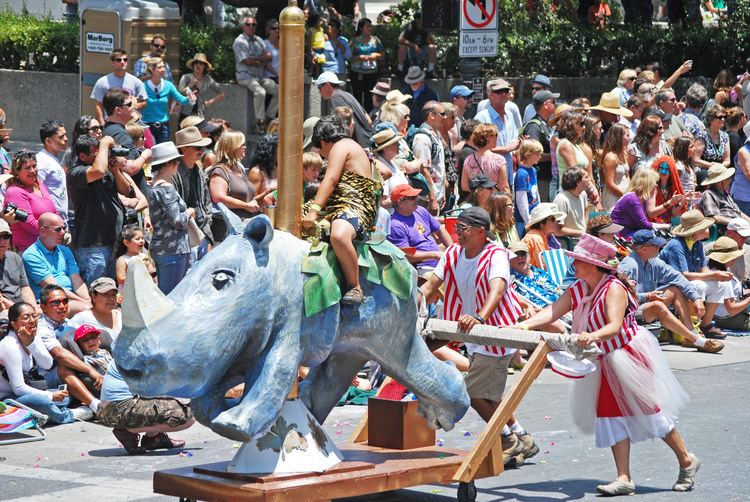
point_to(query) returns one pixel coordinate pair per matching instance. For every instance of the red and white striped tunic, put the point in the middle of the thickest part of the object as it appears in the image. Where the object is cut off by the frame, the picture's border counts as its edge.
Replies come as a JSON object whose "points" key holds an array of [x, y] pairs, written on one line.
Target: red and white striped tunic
{"points": [[508, 310], [598, 314]]}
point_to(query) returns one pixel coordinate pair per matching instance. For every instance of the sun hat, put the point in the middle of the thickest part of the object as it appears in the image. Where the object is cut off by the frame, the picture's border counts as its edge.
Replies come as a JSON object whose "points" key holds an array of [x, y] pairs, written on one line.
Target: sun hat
{"points": [[559, 110], [4, 227], [608, 227], [191, 120], [102, 285], [544, 95], [595, 251], [475, 217], [403, 190], [610, 103], [518, 247], [307, 131], [567, 365], [84, 330], [498, 84], [461, 90], [542, 80], [206, 126], [414, 75], [164, 152], [381, 88], [481, 181], [645, 237], [543, 211], [739, 225], [716, 173], [199, 58], [383, 139], [691, 222], [328, 77], [190, 136], [725, 250], [396, 96]]}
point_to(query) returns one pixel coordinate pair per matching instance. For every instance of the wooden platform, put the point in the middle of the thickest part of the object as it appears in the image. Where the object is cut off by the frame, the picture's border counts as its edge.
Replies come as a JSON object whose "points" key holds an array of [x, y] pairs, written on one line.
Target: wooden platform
{"points": [[366, 470]]}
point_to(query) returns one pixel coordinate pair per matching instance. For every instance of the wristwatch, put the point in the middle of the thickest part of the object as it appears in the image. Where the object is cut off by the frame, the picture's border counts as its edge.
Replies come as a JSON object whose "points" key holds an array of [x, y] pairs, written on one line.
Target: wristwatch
{"points": [[478, 318]]}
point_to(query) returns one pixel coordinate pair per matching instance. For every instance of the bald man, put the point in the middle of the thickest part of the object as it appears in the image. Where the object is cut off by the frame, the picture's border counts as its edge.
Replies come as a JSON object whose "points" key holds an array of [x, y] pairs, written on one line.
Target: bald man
{"points": [[47, 261]]}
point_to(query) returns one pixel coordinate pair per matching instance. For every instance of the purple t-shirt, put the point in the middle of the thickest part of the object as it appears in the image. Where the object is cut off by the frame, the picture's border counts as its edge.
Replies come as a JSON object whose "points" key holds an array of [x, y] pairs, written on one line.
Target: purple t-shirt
{"points": [[415, 231], [629, 213]]}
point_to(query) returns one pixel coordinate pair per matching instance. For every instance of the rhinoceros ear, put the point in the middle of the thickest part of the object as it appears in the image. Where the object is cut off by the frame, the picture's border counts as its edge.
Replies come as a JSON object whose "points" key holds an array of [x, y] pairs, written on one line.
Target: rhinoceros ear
{"points": [[235, 226], [259, 232]]}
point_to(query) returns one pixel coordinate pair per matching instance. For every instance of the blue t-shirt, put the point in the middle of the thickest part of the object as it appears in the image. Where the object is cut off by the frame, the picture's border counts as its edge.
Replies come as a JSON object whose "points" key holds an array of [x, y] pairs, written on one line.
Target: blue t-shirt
{"points": [[526, 181], [41, 263], [157, 103], [114, 387], [336, 58], [415, 231], [676, 254]]}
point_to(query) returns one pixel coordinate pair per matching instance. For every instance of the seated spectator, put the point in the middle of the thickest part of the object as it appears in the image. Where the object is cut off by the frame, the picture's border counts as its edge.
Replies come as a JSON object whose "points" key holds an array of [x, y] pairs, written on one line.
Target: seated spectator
{"points": [[712, 142], [668, 186], [413, 226], [724, 299], [385, 149], [416, 46], [379, 92], [630, 211], [655, 281], [29, 194], [104, 314], [88, 339], [130, 415], [525, 183], [542, 224], [717, 202], [573, 202], [738, 230], [14, 285], [481, 189], [20, 351], [484, 161], [602, 228], [47, 261], [502, 228], [83, 381]]}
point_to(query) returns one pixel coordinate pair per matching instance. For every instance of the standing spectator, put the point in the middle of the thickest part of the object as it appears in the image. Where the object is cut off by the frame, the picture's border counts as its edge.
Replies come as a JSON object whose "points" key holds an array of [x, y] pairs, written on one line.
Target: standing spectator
{"points": [[272, 45], [385, 149], [610, 111], [5, 160], [525, 183], [336, 50], [465, 149], [569, 153], [615, 169], [158, 49], [711, 142], [684, 147], [538, 129], [14, 285], [416, 47], [85, 125], [29, 194], [368, 54], [330, 90], [191, 184], [735, 123], [420, 93], [344, 10], [379, 92], [635, 106], [118, 79], [484, 160], [540, 83], [47, 261], [427, 147], [200, 82], [460, 96], [497, 114], [169, 216], [625, 85], [744, 83], [95, 182], [572, 201], [159, 91], [692, 116], [741, 186], [54, 140], [251, 57]]}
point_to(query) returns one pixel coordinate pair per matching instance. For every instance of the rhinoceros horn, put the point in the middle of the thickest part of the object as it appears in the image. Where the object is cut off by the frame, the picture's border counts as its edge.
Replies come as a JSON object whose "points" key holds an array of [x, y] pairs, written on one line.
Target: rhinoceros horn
{"points": [[235, 226], [144, 304]]}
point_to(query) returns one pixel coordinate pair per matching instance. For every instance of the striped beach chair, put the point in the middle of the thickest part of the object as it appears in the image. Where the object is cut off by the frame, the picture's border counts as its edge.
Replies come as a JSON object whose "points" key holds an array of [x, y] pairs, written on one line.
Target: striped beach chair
{"points": [[556, 264], [16, 418]]}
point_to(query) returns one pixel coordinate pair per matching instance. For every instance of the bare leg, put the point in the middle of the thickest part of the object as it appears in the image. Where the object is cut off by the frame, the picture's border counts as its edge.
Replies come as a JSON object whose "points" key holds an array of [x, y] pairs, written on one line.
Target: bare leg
{"points": [[431, 54], [484, 407], [674, 440], [657, 310], [621, 452], [674, 296], [342, 235], [76, 387], [448, 354], [401, 57], [708, 317]]}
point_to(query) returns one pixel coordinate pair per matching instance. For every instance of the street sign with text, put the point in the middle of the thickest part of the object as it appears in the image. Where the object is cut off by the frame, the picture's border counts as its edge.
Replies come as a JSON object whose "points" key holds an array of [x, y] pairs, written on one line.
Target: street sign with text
{"points": [[477, 44]]}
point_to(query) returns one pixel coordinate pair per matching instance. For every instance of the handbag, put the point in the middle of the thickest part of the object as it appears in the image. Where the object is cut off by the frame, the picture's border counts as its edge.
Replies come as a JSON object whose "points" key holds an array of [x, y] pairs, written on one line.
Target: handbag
{"points": [[195, 234]]}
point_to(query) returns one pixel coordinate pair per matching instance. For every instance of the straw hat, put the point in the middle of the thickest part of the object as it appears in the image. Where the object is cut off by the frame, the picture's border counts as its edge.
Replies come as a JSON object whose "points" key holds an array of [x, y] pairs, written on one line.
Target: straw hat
{"points": [[610, 103], [383, 139], [559, 110], [692, 222], [414, 74], [595, 251], [396, 96], [190, 136], [200, 58], [543, 211], [191, 120], [725, 250], [716, 173]]}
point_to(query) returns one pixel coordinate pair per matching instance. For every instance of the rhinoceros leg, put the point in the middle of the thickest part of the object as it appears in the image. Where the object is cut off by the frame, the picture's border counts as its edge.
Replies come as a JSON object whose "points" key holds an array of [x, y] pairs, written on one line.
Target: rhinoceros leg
{"points": [[266, 387]]}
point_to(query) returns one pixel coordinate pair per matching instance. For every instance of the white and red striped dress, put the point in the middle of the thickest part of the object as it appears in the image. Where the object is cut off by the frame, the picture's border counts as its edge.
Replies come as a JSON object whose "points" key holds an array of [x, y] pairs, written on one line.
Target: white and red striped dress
{"points": [[509, 308]]}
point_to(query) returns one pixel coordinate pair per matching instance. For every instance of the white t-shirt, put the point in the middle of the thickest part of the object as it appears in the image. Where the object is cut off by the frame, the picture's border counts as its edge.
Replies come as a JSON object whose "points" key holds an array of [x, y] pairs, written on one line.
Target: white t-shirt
{"points": [[718, 291], [574, 207], [52, 174]]}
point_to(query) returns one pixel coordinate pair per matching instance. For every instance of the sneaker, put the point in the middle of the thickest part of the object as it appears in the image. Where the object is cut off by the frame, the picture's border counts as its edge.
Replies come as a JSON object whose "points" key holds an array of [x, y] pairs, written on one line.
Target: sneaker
{"points": [[710, 347], [512, 447], [711, 331], [161, 442], [82, 413], [129, 441], [686, 479], [617, 487], [354, 296], [530, 447]]}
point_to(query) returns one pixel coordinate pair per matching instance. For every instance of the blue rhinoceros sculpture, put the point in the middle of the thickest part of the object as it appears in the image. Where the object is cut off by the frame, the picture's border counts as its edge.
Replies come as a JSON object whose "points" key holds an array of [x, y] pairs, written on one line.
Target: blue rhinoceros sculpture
{"points": [[238, 317]]}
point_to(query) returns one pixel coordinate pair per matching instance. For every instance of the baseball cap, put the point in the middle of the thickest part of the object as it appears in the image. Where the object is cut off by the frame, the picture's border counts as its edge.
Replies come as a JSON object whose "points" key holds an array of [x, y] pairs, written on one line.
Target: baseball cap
{"points": [[518, 247], [461, 90], [544, 95], [542, 80], [85, 330], [498, 84], [475, 217], [328, 77], [102, 285], [405, 190], [739, 225], [643, 237], [481, 181], [4, 227]]}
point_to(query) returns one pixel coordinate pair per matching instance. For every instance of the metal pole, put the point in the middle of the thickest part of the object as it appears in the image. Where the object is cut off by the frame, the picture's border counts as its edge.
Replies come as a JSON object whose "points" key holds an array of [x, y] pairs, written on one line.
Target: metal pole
{"points": [[291, 114]]}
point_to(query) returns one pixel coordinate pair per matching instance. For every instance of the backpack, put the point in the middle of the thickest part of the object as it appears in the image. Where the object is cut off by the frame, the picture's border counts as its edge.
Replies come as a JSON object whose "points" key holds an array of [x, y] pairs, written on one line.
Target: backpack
{"points": [[412, 132], [535, 120]]}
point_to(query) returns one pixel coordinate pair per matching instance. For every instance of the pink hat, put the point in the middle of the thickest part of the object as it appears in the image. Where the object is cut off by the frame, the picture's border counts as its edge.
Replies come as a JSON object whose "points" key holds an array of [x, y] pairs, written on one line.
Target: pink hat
{"points": [[595, 251], [85, 330]]}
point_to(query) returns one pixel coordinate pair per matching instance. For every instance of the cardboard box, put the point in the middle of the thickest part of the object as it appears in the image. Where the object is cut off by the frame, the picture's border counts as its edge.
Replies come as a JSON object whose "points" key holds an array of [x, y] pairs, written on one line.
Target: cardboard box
{"points": [[397, 425]]}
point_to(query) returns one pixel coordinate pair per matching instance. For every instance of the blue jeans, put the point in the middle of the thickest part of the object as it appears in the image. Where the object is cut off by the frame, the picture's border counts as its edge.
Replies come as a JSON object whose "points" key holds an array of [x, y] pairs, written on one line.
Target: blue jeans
{"points": [[57, 411], [161, 134], [554, 183], [171, 269], [95, 262], [198, 251]]}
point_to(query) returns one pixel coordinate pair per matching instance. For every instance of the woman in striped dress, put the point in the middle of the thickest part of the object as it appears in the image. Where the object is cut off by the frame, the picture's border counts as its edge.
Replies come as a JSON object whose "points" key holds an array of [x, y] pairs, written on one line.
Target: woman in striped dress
{"points": [[634, 395]]}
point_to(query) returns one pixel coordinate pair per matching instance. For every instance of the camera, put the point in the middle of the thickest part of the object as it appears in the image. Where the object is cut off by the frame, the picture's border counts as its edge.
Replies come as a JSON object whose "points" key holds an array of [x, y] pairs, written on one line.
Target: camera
{"points": [[118, 151], [21, 215]]}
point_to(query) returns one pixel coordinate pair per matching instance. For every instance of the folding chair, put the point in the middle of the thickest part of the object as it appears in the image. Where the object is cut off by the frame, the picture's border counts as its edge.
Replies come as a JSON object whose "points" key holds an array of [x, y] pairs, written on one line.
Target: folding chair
{"points": [[556, 264], [528, 293], [15, 417]]}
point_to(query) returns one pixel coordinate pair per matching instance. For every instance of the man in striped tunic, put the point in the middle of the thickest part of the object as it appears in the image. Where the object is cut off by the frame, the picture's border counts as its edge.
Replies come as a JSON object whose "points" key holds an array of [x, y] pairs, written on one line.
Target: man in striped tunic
{"points": [[476, 274]]}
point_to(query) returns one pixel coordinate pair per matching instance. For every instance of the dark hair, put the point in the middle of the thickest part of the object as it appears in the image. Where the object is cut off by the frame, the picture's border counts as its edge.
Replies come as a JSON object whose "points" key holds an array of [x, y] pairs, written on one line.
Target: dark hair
{"points": [[265, 153], [428, 108], [47, 292], [117, 52], [85, 144], [19, 159], [663, 95], [570, 178], [715, 265], [114, 98], [312, 20], [467, 127], [128, 233], [634, 100], [361, 24], [734, 116], [682, 148], [158, 167], [15, 310], [311, 190], [647, 131], [49, 129], [329, 129], [81, 128], [335, 23]]}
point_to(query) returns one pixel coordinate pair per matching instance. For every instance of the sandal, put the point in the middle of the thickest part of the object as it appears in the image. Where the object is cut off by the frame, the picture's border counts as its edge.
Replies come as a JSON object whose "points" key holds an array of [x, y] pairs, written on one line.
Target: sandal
{"points": [[161, 442], [354, 296], [129, 441]]}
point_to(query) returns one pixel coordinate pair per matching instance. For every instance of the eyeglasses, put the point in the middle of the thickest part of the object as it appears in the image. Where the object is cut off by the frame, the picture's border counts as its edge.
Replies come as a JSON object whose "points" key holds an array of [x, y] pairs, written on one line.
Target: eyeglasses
{"points": [[720, 117], [127, 105], [59, 228], [5, 237], [672, 100], [56, 303], [461, 228], [157, 46], [251, 24], [501, 91], [121, 60], [96, 128]]}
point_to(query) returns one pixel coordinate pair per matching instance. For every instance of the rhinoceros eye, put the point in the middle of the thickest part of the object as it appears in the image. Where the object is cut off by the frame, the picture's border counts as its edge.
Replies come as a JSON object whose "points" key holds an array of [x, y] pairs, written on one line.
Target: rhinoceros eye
{"points": [[222, 278]]}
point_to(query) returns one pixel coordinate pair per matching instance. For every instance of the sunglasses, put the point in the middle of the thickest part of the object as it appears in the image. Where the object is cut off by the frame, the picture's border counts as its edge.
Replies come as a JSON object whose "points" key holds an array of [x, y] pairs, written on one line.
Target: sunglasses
{"points": [[128, 104], [461, 228], [157, 46], [521, 253], [537, 89], [121, 60], [59, 228], [251, 24], [632, 78], [4, 237], [672, 100], [273, 28], [95, 128], [56, 303], [501, 91], [720, 117]]}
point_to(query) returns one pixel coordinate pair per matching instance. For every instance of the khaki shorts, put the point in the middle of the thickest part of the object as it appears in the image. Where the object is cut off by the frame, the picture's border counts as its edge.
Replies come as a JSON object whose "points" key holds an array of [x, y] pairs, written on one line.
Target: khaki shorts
{"points": [[487, 376], [139, 412]]}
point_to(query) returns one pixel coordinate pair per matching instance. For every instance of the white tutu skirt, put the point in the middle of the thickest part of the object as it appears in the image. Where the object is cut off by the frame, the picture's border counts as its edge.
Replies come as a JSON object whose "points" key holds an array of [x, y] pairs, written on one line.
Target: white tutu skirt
{"points": [[633, 394]]}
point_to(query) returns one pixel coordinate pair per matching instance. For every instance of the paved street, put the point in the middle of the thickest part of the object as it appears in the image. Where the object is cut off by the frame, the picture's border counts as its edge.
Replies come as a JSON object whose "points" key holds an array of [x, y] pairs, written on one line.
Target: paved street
{"points": [[84, 461]]}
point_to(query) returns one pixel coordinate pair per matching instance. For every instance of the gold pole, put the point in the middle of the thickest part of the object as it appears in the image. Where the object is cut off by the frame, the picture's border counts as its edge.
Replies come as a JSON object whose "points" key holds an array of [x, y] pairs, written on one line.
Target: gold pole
{"points": [[291, 114]]}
